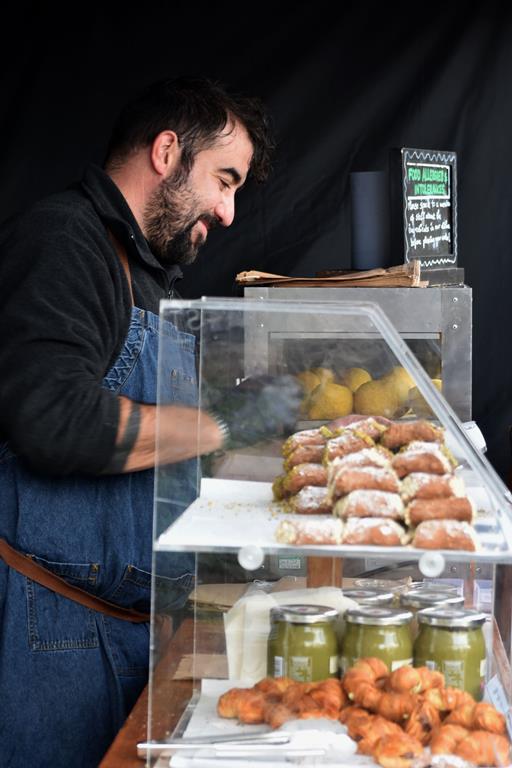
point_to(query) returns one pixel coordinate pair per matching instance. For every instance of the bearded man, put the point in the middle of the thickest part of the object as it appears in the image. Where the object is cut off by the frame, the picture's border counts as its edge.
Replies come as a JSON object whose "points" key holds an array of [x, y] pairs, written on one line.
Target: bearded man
{"points": [[82, 274]]}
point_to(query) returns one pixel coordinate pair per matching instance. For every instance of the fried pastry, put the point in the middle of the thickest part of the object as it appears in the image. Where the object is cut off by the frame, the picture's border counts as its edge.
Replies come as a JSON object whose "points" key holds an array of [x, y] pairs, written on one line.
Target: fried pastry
{"points": [[349, 479], [348, 442], [375, 531], [445, 739], [304, 454], [306, 437], [397, 751], [484, 748], [310, 500], [453, 508], [423, 485], [402, 433], [369, 427], [323, 530], [445, 534], [303, 474], [364, 503], [421, 460]]}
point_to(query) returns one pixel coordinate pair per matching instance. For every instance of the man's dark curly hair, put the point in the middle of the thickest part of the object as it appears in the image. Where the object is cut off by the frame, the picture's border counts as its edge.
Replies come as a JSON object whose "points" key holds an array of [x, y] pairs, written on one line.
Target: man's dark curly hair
{"points": [[198, 110]]}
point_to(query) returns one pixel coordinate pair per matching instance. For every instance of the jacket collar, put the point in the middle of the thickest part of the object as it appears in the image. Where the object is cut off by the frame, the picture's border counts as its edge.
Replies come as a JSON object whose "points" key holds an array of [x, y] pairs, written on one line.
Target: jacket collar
{"points": [[114, 211]]}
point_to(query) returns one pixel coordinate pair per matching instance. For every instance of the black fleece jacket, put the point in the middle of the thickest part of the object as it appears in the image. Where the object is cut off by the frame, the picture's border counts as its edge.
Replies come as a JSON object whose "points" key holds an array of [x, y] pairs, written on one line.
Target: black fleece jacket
{"points": [[64, 314]]}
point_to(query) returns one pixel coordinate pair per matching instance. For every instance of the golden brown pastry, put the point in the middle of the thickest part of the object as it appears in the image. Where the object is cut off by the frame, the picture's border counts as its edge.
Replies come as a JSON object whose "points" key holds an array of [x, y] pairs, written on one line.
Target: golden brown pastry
{"points": [[405, 679], [454, 508], [447, 699], [348, 442], [364, 503], [424, 461], [402, 433], [349, 479], [397, 751], [304, 474], [322, 530], [306, 437], [375, 531], [369, 427], [423, 720], [422, 485], [445, 739], [304, 454], [374, 729], [484, 748], [310, 500], [445, 534], [487, 718]]}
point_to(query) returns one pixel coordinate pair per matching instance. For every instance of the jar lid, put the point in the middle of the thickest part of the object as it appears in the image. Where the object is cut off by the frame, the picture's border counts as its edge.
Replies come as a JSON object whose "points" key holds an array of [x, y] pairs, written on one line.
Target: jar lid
{"points": [[303, 614], [424, 598], [366, 614], [433, 587], [452, 618], [387, 585], [369, 596]]}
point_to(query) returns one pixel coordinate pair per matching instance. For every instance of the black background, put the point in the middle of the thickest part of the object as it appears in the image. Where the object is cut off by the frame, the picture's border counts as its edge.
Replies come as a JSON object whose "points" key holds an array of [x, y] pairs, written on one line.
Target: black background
{"points": [[344, 83]]}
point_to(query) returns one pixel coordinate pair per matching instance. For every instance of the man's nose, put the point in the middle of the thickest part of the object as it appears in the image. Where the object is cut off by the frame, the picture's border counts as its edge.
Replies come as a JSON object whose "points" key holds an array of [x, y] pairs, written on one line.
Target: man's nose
{"points": [[225, 211]]}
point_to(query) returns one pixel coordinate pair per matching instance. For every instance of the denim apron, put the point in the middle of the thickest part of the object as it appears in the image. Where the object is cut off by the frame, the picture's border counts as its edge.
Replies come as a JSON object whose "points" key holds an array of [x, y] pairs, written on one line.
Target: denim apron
{"points": [[69, 675]]}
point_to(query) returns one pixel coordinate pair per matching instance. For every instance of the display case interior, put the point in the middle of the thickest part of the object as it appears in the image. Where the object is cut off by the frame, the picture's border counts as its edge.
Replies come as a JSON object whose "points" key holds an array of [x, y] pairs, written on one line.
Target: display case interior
{"points": [[313, 477]]}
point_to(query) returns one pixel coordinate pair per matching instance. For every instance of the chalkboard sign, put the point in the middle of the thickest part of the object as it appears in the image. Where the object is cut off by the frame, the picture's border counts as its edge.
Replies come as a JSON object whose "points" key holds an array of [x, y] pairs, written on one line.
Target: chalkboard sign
{"points": [[424, 206]]}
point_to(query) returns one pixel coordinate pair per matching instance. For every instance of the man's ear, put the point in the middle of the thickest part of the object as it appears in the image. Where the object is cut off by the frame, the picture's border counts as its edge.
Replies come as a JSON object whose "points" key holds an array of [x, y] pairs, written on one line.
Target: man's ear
{"points": [[165, 152]]}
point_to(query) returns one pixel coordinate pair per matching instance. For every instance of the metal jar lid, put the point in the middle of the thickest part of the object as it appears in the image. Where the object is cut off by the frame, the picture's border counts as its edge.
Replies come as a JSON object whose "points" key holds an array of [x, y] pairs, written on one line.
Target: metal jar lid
{"points": [[430, 587], [425, 598], [369, 596], [366, 614], [303, 614], [451, 618]]}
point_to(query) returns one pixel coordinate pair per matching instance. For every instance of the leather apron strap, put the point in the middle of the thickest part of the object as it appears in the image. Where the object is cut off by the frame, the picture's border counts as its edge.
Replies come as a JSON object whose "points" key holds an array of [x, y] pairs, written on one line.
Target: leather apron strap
{"points": [[32, 570]]}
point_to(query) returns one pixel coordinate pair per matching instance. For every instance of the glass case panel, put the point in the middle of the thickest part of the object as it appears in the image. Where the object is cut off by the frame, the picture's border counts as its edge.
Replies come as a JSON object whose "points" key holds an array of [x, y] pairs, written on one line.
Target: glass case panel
{"points": [[278, 516]]}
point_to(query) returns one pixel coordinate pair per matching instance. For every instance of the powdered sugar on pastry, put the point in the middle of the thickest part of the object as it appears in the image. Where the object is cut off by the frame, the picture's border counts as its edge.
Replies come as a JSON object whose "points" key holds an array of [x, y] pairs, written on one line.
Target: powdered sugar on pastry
{"points": [[325, 530], [364, 503]]}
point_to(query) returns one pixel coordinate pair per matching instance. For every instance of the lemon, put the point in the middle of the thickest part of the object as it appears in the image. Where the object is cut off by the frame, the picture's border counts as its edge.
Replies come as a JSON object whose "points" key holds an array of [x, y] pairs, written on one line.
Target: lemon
{"points": [[376, 398], [401, 380], [417, 402], [354, 377], [308, 380], [324, 374], [329, 401]]}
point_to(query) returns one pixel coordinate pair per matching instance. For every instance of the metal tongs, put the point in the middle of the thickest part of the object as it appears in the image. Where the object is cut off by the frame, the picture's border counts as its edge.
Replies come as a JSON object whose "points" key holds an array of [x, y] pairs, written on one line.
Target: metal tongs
{"points": [[231, 745]]}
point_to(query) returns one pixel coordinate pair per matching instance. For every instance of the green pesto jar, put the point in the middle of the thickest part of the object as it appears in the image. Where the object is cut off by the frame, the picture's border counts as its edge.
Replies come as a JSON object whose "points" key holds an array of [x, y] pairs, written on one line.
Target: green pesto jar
{"points": [[417, 599], [302, 643], [452, 641], [367, 596], [381, 632]]}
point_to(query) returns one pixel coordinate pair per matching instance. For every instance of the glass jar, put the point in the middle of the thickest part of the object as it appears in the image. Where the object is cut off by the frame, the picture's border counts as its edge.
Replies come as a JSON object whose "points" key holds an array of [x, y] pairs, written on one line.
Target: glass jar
{"points": [[302, 643], [452, 641], [418, 599], [381, 632], [367, 596]]}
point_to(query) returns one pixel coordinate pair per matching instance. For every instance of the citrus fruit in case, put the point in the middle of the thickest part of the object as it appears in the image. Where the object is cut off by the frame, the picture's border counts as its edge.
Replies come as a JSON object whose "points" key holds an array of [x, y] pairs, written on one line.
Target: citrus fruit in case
{"points": [[330, 401]]}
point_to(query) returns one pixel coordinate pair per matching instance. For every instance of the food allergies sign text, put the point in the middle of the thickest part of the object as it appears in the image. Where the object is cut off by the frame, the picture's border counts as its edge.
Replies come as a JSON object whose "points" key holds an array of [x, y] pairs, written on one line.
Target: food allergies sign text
{"points": [[429, 206]]}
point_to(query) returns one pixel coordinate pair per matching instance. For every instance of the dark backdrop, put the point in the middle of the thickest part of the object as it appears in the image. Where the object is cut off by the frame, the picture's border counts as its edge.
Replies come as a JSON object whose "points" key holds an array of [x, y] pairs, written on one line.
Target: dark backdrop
{"points": [[343, 84]]}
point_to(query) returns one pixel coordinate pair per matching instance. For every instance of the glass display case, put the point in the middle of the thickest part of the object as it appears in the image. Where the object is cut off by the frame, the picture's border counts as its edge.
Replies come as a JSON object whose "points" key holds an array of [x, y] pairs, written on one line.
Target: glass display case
{"points": [[253, 542]]}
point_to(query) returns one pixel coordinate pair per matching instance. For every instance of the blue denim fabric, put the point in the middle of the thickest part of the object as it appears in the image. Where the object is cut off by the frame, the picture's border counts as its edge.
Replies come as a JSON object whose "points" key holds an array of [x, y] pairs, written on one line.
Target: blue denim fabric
{"points": [[69, 675]]}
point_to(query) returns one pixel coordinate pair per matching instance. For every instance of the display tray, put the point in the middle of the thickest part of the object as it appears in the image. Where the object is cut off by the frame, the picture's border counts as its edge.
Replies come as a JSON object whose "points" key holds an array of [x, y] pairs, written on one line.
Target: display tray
{"points": [[231, 514], [308, 740]]}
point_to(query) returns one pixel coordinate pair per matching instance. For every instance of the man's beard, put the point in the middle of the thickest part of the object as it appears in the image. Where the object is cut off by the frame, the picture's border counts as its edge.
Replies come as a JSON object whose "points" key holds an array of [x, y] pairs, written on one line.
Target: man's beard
{"points": [[169, 217]]}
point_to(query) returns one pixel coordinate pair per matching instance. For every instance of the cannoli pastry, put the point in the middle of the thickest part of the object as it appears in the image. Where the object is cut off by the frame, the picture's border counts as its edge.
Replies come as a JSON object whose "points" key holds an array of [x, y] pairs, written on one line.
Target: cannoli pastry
{"points": [[369, 427], [368, 457], [452, 508], [324, 530], [306, 437], [365, 503], [432, 460], [402, 433], [445, 534], [349, 479], [304, 454], [377, 531], [348, 442], [310, 500], [304, 474], [424, 485]]}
